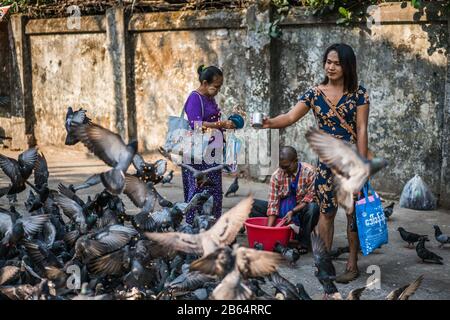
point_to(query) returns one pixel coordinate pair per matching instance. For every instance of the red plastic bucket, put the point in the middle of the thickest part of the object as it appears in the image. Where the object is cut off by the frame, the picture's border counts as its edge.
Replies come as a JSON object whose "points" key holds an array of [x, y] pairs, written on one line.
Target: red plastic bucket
{"points": [[257, 230]]}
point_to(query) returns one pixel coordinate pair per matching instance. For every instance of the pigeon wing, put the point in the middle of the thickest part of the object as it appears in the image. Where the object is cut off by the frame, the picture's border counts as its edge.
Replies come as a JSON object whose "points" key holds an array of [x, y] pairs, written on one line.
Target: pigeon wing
{"points": [[70, 208], [211, 265], [257, 263], [226, 228], [161, 167], [27, 160], [10, 168], [41, 171], [136, 190], [411, 289], [188, 243], [34, 224], [106, 145], [8, 273]]}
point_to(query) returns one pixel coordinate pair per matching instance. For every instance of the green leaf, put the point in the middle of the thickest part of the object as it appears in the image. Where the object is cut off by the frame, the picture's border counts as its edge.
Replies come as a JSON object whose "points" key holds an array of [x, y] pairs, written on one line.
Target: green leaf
{"points": [[341, 21], [343, 12], [416, 3]]}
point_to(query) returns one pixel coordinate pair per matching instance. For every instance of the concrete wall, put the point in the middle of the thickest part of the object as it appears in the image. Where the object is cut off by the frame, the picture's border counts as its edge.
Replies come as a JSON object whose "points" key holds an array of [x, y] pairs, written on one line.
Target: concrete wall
{"points": [[130, 73]]}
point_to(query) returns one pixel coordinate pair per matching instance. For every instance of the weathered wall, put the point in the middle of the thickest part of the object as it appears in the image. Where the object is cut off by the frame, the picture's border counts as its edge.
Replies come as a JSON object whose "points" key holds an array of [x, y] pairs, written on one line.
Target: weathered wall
{"points": [[166, 71], [72, 71], [5, 63], [130, 73]]}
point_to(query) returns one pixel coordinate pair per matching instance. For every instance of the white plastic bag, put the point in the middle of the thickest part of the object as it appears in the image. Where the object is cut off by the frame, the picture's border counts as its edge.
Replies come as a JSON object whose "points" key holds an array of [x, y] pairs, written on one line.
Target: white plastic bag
{"points": [[232, 150], [417, 195]]}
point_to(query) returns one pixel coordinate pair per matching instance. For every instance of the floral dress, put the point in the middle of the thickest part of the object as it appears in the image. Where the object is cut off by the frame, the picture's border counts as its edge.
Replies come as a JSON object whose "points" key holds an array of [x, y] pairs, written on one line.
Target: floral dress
{"points": [[329, 123]]}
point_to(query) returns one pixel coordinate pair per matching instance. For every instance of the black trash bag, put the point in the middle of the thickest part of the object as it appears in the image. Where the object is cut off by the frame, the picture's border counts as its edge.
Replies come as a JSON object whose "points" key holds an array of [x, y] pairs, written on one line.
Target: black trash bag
{"points": [[417, 195]]}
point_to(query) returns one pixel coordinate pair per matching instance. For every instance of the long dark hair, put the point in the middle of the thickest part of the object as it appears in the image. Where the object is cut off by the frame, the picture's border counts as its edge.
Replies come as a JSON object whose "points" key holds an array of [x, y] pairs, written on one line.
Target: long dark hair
{"points": [[347, 59], [208, 73]]}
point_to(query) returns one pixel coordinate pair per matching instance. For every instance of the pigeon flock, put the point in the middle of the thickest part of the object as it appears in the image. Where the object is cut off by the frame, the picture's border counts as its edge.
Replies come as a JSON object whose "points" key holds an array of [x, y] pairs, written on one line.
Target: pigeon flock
{"points": [[68, 248]]}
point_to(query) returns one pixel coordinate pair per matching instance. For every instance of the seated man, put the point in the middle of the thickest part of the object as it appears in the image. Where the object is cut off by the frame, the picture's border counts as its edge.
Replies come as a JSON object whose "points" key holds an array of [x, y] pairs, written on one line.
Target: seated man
{"points": [[291, 197]]}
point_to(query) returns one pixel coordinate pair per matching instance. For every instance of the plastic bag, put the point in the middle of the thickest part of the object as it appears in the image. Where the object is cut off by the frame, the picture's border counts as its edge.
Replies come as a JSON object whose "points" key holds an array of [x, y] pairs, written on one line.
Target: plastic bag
{"points": [[371, 221], [417, 195], [232, 150]]}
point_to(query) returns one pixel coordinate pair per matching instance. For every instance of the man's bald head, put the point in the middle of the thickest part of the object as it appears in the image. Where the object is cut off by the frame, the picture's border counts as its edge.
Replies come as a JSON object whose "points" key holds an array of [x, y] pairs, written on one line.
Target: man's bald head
{"points": [[288, 153]]}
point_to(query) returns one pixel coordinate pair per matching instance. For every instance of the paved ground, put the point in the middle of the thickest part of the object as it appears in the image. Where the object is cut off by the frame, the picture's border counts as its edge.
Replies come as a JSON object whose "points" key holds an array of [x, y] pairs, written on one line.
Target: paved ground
{"points": [[398, 264]]}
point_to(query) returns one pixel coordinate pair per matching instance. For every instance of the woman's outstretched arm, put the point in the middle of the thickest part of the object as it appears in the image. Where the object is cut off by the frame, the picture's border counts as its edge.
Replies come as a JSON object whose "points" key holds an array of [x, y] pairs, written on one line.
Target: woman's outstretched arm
{"points": [[287, 119], [362, 119]]}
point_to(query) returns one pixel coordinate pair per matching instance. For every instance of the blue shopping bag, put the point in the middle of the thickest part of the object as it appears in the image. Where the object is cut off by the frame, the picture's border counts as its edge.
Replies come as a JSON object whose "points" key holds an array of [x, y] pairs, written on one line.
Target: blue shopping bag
{"points": [[371, 222]]}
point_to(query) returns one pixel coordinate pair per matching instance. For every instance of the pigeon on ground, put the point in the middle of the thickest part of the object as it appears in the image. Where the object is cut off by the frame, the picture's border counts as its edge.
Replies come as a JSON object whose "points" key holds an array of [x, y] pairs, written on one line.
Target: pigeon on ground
{"points": [[233, 188], [350, 170], [440, 237], [258, 246], [290, 254], [425, 254], [409, 237], [388, 210]]}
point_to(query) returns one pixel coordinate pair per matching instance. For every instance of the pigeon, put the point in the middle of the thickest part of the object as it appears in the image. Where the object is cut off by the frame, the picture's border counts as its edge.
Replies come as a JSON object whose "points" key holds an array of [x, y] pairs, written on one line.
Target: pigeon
{"points": [[325, 273], [110, 148], [388, 210], [258, 246], [222, 233], [15, 230], [208, 206], [425, 254], [233, 265], [114, 263], [186, 282], [18, 171], [87, 294], [74, 211], [168, 178], [409, 237], [335, 253], [350, 170], [149, 172], [440, 237], [202, 176], [290, 254], [288, 290], [140, 194], [233, 188], [9, 274], [405, 292], [77, 117], [102, 242], [18, 292], [91, 181], [35, 202]]}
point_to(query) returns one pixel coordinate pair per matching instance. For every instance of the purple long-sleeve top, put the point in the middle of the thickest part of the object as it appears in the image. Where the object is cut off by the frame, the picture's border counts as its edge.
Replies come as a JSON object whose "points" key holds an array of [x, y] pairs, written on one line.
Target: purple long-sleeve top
{"points": [[193, 109]]}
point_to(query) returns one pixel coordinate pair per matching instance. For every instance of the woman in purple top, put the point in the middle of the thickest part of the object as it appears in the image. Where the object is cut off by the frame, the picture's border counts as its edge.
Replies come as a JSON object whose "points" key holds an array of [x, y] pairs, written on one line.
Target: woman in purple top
{"points": [[211, 80]]}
